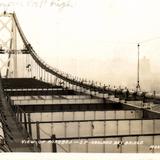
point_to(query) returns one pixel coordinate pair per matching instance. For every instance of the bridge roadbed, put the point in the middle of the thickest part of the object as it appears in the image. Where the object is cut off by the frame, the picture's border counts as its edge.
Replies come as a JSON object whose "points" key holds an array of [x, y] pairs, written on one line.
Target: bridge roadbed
{"points": [[13, 131]]}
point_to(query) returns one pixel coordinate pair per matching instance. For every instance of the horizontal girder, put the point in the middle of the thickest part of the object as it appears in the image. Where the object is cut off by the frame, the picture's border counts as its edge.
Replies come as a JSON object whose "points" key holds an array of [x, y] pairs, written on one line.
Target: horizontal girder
{"points": [[71, 107]]}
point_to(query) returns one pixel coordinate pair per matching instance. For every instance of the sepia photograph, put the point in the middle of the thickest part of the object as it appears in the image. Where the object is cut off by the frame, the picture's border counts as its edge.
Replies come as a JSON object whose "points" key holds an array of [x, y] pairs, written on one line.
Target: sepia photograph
{"points": [[80, 77]]}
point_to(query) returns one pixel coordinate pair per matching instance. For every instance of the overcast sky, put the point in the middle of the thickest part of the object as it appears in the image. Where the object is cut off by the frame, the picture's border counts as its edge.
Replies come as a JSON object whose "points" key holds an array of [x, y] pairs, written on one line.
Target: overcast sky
{"points": [[88, 34]]}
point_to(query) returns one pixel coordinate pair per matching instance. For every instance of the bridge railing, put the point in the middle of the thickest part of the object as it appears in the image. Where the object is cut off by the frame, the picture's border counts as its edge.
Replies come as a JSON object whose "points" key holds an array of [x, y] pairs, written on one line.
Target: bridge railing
{"points": [[6, 132]]}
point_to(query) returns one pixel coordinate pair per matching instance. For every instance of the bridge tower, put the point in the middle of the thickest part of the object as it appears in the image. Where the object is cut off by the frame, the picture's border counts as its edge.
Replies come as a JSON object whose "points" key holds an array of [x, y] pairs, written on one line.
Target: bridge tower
{"points": [[8, 44]]}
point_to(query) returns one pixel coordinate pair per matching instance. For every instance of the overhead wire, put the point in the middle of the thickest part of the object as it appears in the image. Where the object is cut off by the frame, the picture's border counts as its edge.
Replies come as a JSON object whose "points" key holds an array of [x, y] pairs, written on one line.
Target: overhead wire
{"points": [[133, 42]]}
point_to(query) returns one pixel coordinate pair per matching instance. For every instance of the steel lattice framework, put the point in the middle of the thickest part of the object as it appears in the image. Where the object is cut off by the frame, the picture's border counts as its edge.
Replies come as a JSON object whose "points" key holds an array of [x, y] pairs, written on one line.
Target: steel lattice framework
{"points": [[15, 48]]}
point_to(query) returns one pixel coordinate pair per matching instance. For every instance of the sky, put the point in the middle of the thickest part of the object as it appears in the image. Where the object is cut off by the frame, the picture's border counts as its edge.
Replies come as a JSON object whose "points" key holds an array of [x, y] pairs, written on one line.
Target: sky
{"points": [[94, 39]]}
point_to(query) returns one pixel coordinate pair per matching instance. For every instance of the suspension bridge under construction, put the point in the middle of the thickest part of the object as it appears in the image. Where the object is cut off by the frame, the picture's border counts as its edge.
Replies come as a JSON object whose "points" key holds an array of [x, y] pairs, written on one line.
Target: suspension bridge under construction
{"points": [[43, 109]]}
